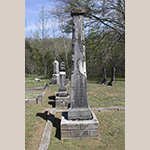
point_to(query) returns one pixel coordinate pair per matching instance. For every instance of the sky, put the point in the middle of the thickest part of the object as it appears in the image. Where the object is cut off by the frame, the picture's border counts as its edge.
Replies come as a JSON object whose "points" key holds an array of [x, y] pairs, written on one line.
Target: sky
{"points": [[32, 8]]}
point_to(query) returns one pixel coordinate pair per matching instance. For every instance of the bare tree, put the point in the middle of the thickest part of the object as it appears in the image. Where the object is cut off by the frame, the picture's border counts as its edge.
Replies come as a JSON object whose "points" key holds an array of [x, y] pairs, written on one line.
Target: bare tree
{"points": [[43, 34]]}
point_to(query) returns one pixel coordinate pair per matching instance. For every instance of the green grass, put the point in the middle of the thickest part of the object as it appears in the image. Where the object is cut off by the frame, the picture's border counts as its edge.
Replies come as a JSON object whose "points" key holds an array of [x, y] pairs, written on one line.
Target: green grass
{"points": [[106, 96], [32, 94], [111, 123], [31, 83], [111, 134]]}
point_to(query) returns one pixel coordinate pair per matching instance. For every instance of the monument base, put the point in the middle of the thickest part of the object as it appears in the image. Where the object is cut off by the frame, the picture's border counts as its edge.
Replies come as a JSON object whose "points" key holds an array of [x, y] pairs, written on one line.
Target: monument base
{"points": [[79, 113], [112, 83], [79, 129], [54, 80], [62, 102], [104, 82], [62, 94]]}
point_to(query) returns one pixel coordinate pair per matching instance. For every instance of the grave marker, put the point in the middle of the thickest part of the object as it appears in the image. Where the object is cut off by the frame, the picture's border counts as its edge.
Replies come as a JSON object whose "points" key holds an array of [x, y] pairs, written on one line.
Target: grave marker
{"points": [[55, 76]]}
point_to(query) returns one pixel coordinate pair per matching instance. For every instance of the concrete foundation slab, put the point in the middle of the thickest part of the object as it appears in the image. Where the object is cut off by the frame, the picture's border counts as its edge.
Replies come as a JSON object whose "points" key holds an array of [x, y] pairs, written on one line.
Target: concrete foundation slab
{"points": [[79, 129]]}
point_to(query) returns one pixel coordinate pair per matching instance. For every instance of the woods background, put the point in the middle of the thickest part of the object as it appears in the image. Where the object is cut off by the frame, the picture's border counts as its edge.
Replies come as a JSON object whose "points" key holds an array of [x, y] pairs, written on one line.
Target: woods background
{"points": [[104, 26]]}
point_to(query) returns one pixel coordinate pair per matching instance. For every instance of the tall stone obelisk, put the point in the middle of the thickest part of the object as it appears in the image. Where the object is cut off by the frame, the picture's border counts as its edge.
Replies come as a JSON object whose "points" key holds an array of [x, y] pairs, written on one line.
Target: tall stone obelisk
{"points": [[79, 122], [78, 102]]}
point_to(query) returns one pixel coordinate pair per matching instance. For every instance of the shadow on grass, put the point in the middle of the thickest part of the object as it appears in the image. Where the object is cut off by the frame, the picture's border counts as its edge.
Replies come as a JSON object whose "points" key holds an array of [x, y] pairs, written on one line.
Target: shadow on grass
{"points": [[43, 115], [54, 121], [52, 97], [52, 102], [56, 124]]}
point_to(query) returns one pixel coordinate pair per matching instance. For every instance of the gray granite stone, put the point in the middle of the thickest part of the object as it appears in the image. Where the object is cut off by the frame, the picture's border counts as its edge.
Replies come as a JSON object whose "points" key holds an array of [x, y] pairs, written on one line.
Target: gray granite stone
{"points": [[39, 98], [62, 66], [79, 129], [62, 79], [94, 133], [62, 97], [78, 89], [62, 89], [62, 102]]}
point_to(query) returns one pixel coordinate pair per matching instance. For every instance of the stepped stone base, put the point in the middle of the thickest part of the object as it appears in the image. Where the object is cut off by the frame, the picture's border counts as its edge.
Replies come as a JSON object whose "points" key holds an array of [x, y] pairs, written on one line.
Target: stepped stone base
{"points": [[79, 129], [62, 102]]}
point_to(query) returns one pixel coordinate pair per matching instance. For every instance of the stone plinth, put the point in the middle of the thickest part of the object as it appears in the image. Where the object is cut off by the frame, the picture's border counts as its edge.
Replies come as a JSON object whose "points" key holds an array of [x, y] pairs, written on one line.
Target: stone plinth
{"points": [[55, 79], [62, 102], [79, 129]]}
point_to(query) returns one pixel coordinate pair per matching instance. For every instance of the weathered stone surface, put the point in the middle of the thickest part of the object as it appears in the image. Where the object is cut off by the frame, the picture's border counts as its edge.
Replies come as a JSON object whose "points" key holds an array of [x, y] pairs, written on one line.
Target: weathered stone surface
{"points": [[89, 126], [79, 129], [62, 102], [54, 80], [62, 66], [94, 133], [62, 89], [55, 76], [78, 89], [56, 67], [62, 97], [39, 98], [79, 113], [65, 134], [33, 101]]}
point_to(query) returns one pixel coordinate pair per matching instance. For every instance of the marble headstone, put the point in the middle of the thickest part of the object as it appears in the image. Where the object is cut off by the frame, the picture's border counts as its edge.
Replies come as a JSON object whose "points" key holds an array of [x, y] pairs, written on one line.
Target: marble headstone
{"points": [[55, 76]]}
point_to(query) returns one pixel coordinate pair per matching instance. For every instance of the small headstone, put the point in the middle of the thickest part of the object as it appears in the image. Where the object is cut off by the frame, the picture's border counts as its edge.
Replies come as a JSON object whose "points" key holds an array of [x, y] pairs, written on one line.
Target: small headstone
{"points": [[55, 76], [62, 97], [104, 77], [112, 77], [62, 78]]}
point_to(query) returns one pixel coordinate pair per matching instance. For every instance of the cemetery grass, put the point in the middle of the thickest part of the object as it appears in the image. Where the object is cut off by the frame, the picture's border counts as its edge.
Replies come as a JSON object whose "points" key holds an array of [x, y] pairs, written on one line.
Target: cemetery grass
{"points": [[104, 95], [31, 83], [111, 123], [111, 134]]}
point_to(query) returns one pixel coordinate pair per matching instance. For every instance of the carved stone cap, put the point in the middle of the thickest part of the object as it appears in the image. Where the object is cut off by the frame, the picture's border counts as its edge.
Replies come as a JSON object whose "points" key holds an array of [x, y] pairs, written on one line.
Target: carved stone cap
{"points": [[62, 66], [78, 11]]}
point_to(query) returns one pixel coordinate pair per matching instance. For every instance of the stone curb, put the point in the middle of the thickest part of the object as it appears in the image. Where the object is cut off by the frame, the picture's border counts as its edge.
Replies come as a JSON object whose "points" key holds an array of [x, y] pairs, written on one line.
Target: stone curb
{"points": [[47, 131], [30, 100], [35, 89], [96, 109], [39, 96]]}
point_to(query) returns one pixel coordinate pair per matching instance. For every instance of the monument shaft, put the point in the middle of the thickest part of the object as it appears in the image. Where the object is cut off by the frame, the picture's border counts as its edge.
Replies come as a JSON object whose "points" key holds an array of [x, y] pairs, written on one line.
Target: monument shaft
{"points": [[78, 77], [78, 101]]}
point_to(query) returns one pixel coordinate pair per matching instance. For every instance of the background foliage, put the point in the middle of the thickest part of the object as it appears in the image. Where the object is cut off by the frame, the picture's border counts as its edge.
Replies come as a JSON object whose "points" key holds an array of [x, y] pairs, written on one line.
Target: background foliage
{"points": [[104, 38]]}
